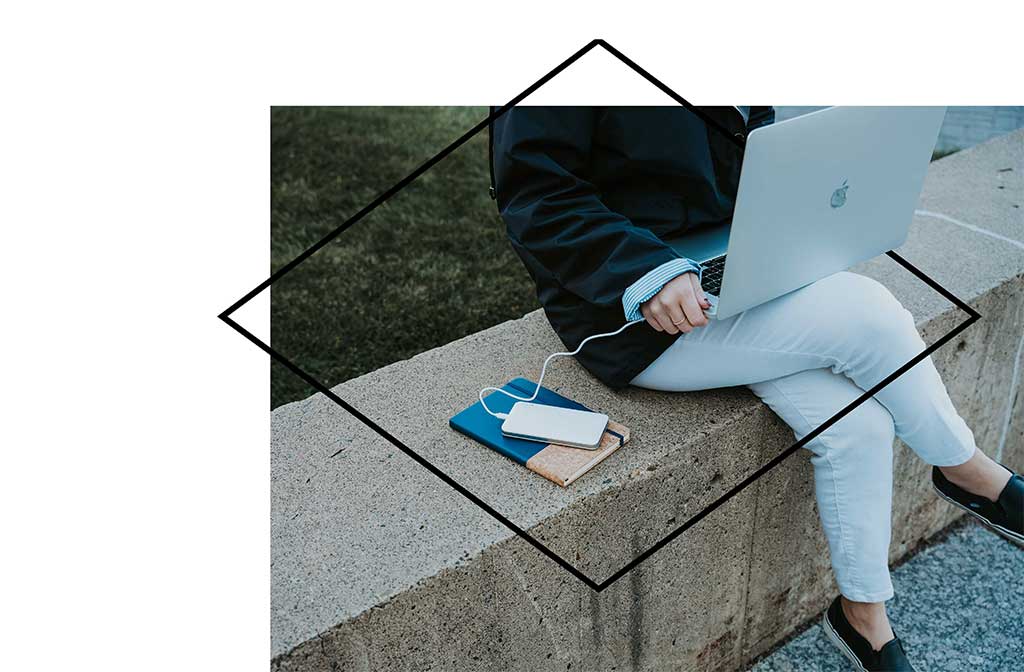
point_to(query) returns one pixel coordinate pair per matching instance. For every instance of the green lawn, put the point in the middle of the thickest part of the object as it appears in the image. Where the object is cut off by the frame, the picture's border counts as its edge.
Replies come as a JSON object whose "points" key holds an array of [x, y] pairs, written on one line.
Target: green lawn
{"points": [[430, 266]]}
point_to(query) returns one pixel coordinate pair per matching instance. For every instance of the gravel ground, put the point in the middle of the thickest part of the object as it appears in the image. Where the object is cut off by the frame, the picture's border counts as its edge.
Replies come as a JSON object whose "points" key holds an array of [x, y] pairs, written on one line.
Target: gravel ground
{"points": [[959, 606]]}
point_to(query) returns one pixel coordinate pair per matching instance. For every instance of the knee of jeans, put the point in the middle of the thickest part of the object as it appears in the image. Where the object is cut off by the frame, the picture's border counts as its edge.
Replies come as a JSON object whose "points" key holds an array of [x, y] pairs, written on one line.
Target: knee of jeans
{"points": [[877, 424], [874, 313], [872, 424], [866, 430]]}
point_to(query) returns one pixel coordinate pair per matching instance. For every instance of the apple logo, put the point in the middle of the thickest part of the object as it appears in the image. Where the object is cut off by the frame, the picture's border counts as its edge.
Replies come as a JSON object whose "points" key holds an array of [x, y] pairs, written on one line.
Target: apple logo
{"points": [[839, 196]]}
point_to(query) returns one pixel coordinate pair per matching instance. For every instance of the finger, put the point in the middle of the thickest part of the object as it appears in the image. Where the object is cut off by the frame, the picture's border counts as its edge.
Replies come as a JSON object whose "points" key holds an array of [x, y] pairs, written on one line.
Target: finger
{"points": [[645, 311], [678, 317], [699, 291], [666, 324], [661, 315], [693, 310]]}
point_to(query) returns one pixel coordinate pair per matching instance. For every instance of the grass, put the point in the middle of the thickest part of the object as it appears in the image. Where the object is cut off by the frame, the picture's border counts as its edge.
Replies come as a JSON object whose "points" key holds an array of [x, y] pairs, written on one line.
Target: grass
{"points": [[429, 266]]}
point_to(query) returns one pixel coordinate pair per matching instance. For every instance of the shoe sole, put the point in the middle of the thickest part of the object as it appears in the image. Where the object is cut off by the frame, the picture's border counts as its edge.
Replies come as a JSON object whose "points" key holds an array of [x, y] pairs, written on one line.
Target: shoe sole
{"points": [[834, 637], [998, 529]]}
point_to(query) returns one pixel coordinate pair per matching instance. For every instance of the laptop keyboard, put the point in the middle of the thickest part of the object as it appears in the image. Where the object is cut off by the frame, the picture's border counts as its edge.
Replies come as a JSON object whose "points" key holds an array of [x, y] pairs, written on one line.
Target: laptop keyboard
{"points": [[711, 278]]}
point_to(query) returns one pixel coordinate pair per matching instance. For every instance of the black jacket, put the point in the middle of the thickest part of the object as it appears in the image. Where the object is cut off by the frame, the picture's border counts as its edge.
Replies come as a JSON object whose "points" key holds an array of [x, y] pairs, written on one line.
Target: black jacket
{"points": [[588, 193]]}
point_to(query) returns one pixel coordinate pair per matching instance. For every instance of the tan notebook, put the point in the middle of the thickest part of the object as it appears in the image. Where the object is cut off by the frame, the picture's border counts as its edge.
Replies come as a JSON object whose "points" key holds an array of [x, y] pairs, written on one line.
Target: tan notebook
{"points": [[563, 465]]}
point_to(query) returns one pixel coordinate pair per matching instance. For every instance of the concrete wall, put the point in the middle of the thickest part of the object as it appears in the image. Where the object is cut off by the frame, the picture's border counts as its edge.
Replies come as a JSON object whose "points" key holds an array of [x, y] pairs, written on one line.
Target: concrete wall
{"points": [[963, 127], [377, 565]]}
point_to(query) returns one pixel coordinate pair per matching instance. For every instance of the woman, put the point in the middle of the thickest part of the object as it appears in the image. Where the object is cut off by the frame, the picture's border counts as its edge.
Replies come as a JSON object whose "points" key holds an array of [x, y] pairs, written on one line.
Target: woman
{"points": [[589, 194]]}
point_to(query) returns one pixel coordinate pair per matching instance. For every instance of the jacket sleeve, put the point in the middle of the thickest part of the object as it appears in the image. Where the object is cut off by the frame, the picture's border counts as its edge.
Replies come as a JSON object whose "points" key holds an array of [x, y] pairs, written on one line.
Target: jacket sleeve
{"points": [[555, 217], [649, 285]]}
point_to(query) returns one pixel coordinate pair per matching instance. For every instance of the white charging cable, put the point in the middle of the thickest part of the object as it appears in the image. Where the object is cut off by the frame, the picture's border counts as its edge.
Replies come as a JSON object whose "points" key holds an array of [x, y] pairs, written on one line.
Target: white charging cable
{"points": [[544, 369]]}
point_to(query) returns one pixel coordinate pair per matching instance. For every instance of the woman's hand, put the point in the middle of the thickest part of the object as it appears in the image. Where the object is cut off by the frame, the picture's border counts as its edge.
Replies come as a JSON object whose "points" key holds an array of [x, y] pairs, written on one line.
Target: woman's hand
{"points": [[678, 307]]}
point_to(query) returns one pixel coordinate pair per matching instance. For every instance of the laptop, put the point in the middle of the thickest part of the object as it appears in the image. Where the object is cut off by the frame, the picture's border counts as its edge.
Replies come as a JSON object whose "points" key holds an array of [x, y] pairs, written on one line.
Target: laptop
{"points": [[817, 194]]}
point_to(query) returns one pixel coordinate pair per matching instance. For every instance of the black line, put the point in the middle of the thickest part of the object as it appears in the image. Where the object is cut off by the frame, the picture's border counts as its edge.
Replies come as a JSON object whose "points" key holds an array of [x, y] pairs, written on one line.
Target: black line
{"points": [[320, 387], [419, 459], [401, 184], [962, 305]]}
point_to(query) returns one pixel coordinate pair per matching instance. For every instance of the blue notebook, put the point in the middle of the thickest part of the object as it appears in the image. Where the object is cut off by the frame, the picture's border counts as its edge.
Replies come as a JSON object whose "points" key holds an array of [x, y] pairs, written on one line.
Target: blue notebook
{"points": [[559, 464]]}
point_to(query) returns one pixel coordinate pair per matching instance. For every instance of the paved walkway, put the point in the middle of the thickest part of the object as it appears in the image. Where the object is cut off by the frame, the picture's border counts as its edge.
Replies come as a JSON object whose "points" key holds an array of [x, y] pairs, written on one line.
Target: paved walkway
{"points": [[963, 127], [957, 607]]}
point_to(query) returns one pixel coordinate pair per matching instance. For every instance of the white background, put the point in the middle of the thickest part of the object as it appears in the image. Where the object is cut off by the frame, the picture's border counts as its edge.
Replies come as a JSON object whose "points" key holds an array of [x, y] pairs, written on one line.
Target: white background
{"points": [[134, 184]]}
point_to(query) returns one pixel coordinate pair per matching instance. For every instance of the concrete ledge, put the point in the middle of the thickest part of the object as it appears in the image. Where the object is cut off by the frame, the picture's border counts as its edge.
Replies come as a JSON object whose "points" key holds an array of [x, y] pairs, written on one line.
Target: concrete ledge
{"points": [[377, 565]]}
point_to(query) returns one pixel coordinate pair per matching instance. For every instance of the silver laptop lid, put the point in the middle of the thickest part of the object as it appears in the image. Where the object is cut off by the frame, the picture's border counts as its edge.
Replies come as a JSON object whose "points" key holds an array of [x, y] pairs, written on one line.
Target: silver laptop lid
{"points": [[822, 192]]}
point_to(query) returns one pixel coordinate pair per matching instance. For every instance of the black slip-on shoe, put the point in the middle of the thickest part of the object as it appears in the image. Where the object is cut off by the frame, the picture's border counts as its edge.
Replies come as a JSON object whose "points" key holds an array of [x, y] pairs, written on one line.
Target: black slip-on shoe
{"points": [[1004, 516], [892, 657]]}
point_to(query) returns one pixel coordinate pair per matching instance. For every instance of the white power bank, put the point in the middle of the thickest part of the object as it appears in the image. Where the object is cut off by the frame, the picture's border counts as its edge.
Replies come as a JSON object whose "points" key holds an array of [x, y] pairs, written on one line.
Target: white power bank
{"points": [[552, 424]]}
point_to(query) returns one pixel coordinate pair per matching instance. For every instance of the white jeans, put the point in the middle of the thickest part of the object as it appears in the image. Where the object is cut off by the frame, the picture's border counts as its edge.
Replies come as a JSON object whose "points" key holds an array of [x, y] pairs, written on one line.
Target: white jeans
{"points": [[807, 355]]}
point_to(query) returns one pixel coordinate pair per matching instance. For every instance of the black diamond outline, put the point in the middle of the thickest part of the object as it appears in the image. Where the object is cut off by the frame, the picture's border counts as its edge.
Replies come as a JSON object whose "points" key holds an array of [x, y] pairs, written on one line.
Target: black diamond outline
{"points": [[973, 316]]}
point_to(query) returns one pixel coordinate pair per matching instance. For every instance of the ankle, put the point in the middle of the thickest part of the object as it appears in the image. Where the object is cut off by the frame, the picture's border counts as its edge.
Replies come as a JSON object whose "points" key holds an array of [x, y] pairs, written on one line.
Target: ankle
{"points": [[870, 621], [979, 476]]}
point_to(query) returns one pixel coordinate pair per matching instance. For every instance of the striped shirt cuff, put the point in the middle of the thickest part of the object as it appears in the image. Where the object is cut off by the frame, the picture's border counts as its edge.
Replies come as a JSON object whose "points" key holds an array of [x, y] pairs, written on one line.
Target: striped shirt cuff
{"points": [[649, 285]]}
